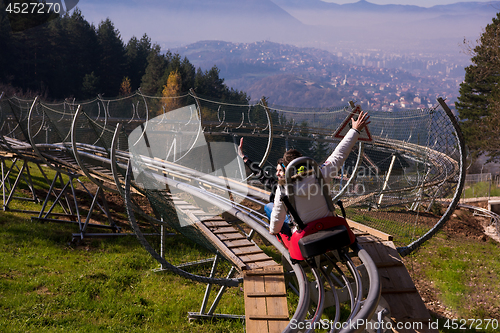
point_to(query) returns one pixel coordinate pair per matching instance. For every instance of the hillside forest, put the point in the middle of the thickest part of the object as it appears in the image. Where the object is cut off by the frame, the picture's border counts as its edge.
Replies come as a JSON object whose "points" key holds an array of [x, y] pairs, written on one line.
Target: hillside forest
{"points": [[68, 57]]}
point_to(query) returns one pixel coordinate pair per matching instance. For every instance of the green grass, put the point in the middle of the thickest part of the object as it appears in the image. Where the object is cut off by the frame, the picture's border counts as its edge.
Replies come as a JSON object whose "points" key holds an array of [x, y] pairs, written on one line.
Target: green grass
{"points": [[481, 189], [48, 285], [465, 273], [40, 183], [403, 233], [108, 285]]}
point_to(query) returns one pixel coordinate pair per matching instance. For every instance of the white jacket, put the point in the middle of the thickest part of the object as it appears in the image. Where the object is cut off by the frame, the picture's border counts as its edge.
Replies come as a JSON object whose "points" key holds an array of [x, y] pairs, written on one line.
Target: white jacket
{"points": [[310, 203]]}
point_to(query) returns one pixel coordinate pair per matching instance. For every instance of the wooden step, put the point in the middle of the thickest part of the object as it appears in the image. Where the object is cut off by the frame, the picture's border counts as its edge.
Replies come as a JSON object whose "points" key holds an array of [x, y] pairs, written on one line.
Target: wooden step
{"points": [[398, 289], [266, 308]]}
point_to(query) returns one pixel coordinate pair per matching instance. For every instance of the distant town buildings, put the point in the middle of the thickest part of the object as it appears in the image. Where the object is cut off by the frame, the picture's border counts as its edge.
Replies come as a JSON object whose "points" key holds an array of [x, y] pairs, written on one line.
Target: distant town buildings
{"points": [[374, 79]]}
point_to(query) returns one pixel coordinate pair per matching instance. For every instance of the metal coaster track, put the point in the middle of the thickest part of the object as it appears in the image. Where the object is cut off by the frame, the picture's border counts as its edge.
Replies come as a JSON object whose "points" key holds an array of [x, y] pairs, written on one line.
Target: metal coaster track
{"points": [[106, 165]]}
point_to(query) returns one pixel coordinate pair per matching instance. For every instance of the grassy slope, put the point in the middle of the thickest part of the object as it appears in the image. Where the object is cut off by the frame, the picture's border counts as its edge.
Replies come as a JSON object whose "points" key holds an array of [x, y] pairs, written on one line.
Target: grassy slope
{"points": [[458, 278], [108, 285], [48, 286]]}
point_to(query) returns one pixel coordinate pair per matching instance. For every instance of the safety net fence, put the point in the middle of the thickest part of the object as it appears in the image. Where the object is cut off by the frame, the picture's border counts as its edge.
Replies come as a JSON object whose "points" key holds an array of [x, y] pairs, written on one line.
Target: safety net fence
{"points": [[410, 164]]}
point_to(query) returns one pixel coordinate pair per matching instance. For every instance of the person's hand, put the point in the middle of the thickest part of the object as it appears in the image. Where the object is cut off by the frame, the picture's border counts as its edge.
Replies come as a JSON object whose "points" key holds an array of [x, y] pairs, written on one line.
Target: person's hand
{"points": [[361, 122], [240, 149]]}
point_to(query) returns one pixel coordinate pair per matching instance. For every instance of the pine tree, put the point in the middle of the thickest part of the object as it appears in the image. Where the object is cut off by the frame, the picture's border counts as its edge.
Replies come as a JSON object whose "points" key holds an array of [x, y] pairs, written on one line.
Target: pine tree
{"points": [[112, 58], [82, 44], [479, 100], [90, 85], [151, 81], [6, 45], [55, 65], [137, 52], [188, 73]]}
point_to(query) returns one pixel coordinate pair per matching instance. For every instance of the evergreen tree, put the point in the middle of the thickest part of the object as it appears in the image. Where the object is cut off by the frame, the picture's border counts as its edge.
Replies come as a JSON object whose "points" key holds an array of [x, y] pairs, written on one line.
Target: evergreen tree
{"points": [[68, 57], [214, 85], [55, 67], [137, 52], [151, 81], [479, 101], [6, 45], [188, 73], [320, 150], [29, 19], [26, 50], [82, 46], [111, 58], [172, 64], [90, 85], [209, 83], [183, 67]]}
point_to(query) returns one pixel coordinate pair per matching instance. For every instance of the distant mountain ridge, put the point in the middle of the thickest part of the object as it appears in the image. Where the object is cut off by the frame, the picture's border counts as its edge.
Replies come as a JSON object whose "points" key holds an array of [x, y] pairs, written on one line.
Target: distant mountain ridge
{"points": [[367, 6], [243, 8], [314, 23], [171, 22]]}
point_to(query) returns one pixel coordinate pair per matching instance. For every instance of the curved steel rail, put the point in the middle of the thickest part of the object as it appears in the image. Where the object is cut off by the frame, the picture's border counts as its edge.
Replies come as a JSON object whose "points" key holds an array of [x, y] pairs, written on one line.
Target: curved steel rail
{"points": [[78, 159], [160, 259], [353, 174], [494, 217], [461, 181], [260, 227], [53, 162], [447, 169]]}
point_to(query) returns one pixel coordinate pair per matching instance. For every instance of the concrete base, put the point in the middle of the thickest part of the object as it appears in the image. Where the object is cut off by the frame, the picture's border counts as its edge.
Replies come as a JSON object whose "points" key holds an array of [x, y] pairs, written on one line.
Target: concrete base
{"points": [[494, 206]]}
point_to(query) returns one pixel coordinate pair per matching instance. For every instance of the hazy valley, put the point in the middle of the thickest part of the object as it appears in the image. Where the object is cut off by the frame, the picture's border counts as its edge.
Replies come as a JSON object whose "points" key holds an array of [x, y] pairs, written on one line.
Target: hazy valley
{"points": [[314, 53]]}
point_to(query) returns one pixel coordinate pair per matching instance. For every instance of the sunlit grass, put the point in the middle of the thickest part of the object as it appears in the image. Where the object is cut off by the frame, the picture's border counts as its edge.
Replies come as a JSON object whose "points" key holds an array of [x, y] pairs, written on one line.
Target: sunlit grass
{"points": [[109, 285], [466, 274], [48, 285], [403, 233], [481, 189], [41, 179]]}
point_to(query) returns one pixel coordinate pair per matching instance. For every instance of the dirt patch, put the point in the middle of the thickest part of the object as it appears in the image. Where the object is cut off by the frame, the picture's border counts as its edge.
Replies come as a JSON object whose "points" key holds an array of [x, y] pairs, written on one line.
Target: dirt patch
{"points": [[463, 223], [405, 217]]}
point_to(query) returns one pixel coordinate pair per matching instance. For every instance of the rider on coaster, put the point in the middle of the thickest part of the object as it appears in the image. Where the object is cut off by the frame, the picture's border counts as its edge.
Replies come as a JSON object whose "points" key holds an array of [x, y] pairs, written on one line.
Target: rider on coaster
{"points": [[311, 206]]}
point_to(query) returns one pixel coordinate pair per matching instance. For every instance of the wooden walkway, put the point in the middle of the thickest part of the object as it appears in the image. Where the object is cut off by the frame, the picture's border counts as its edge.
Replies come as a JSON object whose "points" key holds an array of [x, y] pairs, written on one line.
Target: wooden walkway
{"points": [[398, 289], [266, 308]]}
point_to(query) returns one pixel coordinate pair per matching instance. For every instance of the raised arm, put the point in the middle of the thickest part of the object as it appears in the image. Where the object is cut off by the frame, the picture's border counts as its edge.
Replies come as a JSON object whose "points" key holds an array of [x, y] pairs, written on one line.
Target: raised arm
{"points": [[336, 159], [240, 151]]}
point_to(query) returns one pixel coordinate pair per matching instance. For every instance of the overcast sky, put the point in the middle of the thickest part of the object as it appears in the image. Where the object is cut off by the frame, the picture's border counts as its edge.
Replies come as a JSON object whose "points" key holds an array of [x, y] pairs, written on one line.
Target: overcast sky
{"points": [[421, 3]]}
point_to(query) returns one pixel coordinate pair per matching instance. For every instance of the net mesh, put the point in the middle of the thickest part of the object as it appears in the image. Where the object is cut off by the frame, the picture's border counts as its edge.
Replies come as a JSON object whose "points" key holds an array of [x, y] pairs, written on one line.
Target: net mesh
{"points": [[412, 161], [14, 112], [171, 150], [412, 164]]}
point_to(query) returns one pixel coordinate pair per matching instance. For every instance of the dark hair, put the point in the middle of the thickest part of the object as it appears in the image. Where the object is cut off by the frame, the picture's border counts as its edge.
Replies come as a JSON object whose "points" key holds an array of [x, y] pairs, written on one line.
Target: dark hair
{"points": [[290, 155]]}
